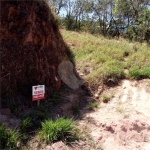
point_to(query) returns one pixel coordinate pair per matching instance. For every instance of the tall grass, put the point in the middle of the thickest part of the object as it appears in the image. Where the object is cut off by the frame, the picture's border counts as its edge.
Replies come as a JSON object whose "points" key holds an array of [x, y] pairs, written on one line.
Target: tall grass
{"points": [[108, 58]]}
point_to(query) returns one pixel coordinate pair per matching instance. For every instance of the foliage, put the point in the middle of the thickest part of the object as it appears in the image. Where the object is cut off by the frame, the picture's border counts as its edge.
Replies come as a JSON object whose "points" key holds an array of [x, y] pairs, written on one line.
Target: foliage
{"points": [[60, 129], [126, 18]]}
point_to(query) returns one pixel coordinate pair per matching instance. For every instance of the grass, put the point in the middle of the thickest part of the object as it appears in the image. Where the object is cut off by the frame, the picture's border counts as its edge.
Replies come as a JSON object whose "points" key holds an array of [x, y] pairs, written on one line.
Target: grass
{"points": [[107, 58], [60, 129], [8, 138], [107, 98], [93, 105]]}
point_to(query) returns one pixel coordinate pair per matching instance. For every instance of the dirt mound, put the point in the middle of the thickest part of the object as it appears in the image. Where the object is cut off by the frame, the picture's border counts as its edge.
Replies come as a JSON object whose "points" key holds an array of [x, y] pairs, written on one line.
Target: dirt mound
{"points": [[31, 46]]}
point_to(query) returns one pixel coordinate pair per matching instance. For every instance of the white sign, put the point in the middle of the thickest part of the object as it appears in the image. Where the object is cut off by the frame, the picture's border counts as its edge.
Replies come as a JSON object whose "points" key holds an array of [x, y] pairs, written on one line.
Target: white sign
{"points": [[38, 92]]}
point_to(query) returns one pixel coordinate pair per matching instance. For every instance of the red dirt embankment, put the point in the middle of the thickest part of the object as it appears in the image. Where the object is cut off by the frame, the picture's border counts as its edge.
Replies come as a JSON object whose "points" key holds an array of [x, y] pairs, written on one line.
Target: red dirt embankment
{"points": [[31, 46]]}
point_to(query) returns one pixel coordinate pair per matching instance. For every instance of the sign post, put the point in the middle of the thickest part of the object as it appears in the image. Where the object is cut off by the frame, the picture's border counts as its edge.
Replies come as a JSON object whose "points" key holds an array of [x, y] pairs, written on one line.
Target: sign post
{"points": [[38, 93]]}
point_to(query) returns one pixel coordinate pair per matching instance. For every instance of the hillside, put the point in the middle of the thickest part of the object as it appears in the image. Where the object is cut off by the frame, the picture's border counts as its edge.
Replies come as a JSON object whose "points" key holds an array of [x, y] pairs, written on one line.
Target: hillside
{"points": [[118, 73], [110, 111], [107, 61]]}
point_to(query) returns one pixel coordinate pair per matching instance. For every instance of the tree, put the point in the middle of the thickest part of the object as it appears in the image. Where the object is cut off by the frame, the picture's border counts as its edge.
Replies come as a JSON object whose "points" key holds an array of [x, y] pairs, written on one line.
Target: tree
{"points": [[136, 15], [58, 5]]}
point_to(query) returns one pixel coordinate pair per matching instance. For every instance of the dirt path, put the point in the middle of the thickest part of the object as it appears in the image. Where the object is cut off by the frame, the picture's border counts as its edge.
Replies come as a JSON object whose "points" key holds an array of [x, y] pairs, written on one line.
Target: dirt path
{"points": [[124, 122]]}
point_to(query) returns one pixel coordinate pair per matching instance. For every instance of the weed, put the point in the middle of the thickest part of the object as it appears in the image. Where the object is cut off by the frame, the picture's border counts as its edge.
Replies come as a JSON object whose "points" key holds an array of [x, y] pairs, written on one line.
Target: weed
{"points": [[60, 129], [93, 105]]}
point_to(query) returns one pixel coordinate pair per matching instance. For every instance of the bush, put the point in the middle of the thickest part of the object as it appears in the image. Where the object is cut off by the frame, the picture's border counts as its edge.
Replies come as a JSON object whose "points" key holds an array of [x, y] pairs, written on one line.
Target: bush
{"points": [[60, 129]]}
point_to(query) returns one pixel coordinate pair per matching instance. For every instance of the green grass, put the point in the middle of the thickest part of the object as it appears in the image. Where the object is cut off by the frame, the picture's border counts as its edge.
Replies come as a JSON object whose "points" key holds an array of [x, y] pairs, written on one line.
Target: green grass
{"points": [[60, 129], [108, 58]]}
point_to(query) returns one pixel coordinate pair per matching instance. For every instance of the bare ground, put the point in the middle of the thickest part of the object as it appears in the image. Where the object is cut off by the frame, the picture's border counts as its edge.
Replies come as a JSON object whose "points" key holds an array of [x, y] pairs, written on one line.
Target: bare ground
{"points": [[121, 124], [124, 122]]}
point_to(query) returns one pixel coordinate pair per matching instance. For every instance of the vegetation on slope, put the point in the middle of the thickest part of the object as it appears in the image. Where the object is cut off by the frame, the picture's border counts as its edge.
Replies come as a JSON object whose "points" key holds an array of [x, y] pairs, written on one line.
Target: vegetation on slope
{"points": [[108, 60]]}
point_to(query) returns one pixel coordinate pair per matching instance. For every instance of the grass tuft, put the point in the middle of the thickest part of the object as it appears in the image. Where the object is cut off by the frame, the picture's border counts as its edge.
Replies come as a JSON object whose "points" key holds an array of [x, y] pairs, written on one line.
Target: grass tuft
{"points": [[60, 129]]}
